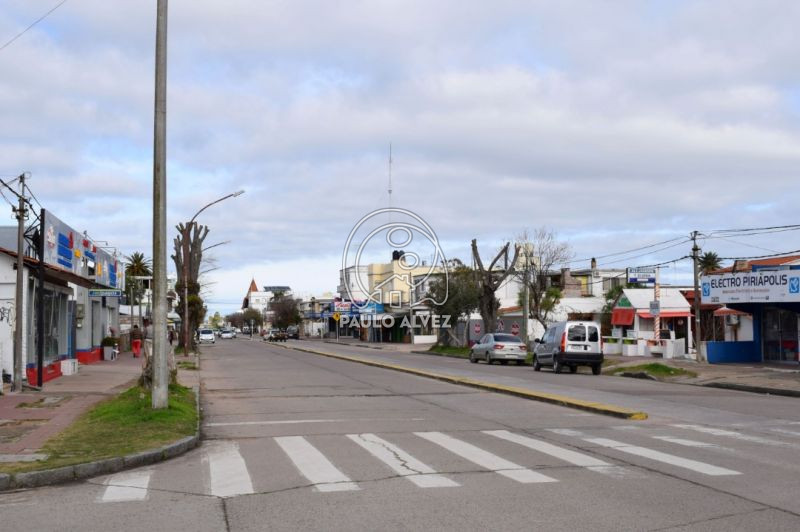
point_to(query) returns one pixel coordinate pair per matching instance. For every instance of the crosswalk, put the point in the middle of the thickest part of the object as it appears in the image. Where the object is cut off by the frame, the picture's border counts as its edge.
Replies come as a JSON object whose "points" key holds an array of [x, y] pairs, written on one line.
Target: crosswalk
{"points": [[332, 463]]}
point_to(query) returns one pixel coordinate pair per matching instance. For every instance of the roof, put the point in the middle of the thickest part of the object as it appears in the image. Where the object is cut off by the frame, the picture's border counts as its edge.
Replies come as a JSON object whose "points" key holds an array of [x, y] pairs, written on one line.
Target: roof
{"points": [[670, 298], [253, 286], [771, 261]]}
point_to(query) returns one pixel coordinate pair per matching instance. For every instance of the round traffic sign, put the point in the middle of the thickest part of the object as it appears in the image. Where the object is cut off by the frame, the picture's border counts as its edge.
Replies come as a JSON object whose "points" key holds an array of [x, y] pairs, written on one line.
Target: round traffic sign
{"points": [[477, 328], [515, 328]]}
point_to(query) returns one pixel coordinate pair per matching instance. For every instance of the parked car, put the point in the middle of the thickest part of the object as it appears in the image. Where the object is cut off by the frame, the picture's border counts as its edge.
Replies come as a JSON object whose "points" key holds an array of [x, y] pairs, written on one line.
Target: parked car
{"points": [[499, 346], [227, 334], [570, 344], [275, 335], [292, 331], [206, 335]]}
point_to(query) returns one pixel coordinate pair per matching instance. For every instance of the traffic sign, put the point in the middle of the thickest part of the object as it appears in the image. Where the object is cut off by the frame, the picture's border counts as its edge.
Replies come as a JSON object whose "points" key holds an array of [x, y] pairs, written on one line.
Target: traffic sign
{"points": [[655, 308], [501, 326], [477, 328], [515, 328], [104, 292]]}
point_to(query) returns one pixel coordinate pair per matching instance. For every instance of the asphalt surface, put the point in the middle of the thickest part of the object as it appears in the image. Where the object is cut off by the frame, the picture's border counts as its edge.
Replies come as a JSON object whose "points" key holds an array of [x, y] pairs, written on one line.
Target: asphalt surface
{"points": [[296, 441]]}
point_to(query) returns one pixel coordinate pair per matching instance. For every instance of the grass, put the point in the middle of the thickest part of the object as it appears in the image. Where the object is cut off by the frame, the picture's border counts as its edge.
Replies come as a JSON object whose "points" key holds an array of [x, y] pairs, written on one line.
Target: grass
{"points": [[123, 425], [186, 364], [654, 369], [462, 352]]}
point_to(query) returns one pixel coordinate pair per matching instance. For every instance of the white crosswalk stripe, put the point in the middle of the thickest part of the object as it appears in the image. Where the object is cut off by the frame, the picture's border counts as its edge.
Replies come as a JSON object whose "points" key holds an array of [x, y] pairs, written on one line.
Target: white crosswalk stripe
{"points": [[313, 465], [127, 486], [735, 435], [485, 459], [401, 462], [690, 443], [658, 456], [228, 475]]}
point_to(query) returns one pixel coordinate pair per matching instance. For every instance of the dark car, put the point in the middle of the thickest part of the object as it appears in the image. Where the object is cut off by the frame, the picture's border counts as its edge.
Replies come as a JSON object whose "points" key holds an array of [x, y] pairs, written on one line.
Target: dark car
{"points": [[293, 332]]}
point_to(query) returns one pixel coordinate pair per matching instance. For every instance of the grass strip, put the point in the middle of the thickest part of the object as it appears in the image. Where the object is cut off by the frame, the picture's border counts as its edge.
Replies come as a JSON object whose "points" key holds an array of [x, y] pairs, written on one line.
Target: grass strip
{"points": [[123, 425], [462, 352], [659, 371]]}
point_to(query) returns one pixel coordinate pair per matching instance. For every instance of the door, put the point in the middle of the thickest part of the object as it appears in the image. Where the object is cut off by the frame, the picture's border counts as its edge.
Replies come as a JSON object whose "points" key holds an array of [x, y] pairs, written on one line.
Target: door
{"points": [[780, 335]]}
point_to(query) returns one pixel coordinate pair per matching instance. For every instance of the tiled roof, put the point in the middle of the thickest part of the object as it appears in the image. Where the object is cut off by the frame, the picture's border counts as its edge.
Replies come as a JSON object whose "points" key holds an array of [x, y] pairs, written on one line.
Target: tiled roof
{"points": [[771, 261]]}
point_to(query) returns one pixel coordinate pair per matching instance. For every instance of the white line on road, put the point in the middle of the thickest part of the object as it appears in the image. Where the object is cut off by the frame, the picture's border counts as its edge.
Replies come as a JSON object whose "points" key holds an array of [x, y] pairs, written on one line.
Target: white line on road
{"points": [[401, 462], [301, 421], [567, 455], [784, 431], [485, 459], [313, 465], [227, 469], [693, 465], [689, 443], [566, 432], [127, 486], [735, 435]]}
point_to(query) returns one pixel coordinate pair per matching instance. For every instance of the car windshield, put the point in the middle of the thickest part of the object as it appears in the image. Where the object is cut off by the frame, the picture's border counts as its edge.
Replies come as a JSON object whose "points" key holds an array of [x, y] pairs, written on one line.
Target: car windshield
{"points": [[206, 331], [508, 338]]}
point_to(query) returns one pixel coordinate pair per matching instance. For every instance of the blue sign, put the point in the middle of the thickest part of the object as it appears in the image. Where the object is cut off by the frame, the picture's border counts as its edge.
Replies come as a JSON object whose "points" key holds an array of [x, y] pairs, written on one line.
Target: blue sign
{"points": [[706, 289], [794, 285], [105, 293]]}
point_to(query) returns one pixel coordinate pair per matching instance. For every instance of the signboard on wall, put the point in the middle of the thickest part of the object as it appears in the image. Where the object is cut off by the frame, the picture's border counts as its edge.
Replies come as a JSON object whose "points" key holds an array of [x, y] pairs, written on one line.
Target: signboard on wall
{"points": [[67, 249], [752, 287]]}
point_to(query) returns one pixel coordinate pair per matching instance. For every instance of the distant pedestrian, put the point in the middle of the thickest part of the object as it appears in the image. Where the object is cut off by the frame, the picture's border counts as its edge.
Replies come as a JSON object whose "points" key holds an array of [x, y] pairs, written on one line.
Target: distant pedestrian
{"points": [[171, 336], [136, 341]]}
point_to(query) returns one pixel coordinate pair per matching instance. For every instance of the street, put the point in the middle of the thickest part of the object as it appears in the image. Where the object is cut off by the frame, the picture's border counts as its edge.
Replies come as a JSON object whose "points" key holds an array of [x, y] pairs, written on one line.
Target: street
{"points": [[297, 441]]}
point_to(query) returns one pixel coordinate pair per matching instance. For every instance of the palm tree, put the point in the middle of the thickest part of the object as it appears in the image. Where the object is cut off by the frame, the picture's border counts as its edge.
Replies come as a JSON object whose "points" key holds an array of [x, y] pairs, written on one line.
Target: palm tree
{"points": [[138, 266], [709, 261]]}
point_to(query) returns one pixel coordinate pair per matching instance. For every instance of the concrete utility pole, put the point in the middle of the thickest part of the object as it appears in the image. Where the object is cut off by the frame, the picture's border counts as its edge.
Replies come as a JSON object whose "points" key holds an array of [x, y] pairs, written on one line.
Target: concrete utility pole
{"points": [[19, 316], [159, 355], [696, 261], [526, 310]]}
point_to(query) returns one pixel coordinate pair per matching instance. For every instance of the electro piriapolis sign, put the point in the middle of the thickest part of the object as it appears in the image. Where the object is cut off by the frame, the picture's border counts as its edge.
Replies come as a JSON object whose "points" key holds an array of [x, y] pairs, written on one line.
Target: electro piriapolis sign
{"points": [[747, 287]]}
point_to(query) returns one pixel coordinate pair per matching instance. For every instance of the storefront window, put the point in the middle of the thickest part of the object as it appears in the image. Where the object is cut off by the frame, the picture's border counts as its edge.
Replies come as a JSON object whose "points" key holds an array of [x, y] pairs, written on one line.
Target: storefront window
{"points": [[780, 335], [54, 324]]}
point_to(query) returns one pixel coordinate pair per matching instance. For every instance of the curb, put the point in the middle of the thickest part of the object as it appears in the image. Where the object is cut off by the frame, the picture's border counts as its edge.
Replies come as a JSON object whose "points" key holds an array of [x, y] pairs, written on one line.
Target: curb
{"points": [[560, 400], [751, 389], [60, 475]]}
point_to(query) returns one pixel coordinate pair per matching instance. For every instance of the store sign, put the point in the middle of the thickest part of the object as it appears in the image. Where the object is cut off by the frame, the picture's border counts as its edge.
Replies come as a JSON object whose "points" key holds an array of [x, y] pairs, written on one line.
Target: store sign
{"points": [[752, 287], [105, 293], [67, 249], [642, 275]]}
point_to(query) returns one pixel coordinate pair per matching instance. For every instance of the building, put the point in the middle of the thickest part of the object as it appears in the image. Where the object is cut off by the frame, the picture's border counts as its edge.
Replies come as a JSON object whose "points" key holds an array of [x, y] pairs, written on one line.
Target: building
{"points": [[76, 287], [633, 320], [768, 290], [260, 299]]}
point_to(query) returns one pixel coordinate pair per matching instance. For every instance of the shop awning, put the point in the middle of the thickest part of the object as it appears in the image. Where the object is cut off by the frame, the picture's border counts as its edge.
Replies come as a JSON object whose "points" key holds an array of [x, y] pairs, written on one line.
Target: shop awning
{"points": [[622, 316], [725, 311], [666, 314]]}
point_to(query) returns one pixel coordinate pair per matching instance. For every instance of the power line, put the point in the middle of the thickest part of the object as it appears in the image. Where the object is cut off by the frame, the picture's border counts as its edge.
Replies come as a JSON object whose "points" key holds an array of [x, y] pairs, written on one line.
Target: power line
{"points": [[34, 196], [747, 245], [650, 252], [785, 253], [747, 230], [34, 23], [627, 251]]}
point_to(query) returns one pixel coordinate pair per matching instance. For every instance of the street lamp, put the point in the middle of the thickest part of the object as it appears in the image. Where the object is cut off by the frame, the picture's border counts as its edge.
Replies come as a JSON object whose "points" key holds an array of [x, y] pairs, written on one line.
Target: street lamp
{"points": [[185, 268]]}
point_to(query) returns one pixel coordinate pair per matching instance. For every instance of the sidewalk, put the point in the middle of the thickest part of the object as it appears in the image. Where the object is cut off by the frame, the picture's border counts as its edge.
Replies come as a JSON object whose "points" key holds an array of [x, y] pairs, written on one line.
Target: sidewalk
{"points": [[772, 378], [30, 418]]}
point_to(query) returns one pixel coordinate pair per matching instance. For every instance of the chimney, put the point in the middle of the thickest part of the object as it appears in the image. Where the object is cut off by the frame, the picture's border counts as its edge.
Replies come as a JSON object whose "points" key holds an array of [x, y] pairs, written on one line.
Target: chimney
{"points": [[594, 263]]}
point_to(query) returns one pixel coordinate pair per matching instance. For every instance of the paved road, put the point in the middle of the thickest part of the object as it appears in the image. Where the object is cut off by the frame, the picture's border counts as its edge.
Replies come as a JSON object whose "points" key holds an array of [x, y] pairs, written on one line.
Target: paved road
{"points": [[295, 441]]}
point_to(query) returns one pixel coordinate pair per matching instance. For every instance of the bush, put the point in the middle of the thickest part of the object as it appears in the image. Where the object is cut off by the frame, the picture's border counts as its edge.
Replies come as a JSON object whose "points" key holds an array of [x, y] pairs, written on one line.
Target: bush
{"points": [[109, 341]]}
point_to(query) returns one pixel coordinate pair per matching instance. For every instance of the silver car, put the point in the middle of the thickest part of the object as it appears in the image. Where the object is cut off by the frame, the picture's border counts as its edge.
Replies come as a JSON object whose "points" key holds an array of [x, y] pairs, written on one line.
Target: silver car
{"points": [[499, 346], [207, 335]]}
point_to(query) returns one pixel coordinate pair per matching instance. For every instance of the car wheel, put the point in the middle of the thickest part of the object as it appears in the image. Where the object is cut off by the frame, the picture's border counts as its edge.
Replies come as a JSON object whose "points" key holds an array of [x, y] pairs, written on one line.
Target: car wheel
{"points": [[504, 362], [536, 365], [573, 368], [596, 369], [520, 362], [557, 366], [472, 357], [489, 360]]}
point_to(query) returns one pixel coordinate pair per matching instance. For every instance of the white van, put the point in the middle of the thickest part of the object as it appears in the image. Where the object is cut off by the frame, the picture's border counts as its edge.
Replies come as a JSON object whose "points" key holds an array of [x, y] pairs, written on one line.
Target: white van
{"points": [[570, 344]]}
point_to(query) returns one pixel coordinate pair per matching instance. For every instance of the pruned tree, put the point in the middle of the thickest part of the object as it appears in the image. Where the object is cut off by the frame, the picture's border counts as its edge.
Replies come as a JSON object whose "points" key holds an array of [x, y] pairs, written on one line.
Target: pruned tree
{"points": [[188, 247], [459, 293], [542, 251], [489, 280]]}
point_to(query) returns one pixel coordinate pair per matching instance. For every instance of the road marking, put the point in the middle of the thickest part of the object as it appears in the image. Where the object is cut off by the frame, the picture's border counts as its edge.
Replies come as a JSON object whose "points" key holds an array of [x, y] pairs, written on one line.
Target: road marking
{"points": [[566, 432], [485, 459], [567, 455], [626, 427], [313, 465], [693, 465], [735, 435], [784, 431], [127, 486], [401, 462], [300, 421], [227, 469], [688, 443]]}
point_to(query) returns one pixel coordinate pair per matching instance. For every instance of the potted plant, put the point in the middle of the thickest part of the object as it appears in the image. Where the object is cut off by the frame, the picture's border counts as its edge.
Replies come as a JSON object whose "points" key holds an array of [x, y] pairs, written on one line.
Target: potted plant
{"points": [[109, 344]]}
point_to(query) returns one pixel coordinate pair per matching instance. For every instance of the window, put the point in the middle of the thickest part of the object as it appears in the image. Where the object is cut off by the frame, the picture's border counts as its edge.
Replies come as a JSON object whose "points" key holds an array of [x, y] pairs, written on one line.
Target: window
{"points": [[507, 338], [550, 335], [577, 333], [594, 335]]}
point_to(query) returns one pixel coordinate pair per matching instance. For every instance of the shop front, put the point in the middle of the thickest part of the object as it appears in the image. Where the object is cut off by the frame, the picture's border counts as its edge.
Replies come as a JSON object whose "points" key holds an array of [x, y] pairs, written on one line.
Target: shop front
{"points": [[772, 297]]}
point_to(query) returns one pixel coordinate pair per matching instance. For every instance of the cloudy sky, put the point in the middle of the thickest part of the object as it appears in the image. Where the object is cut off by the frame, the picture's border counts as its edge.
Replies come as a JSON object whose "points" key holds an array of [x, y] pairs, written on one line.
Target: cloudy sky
{"points": [[617, 123]]}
